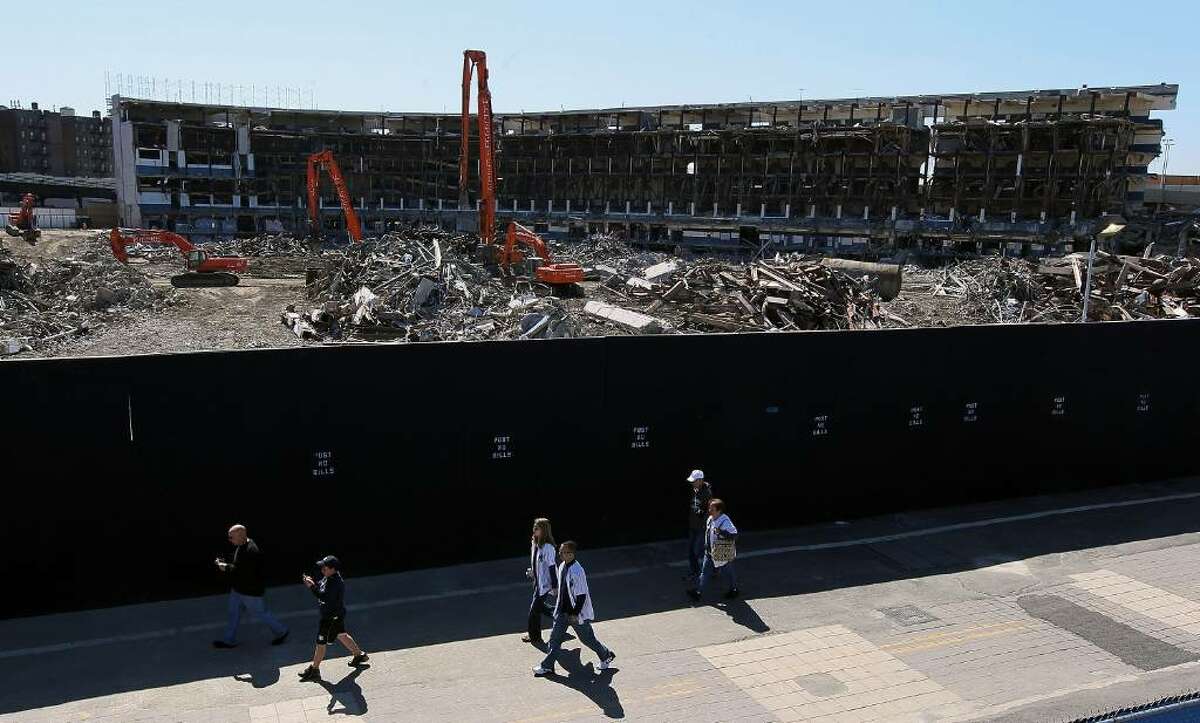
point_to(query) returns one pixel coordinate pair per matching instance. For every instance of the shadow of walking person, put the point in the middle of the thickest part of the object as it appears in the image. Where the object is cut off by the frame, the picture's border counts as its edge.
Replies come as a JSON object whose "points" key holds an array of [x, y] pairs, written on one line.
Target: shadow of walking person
{"points": [[597, 686], [260, 676], [744, 615], [348, 693]]}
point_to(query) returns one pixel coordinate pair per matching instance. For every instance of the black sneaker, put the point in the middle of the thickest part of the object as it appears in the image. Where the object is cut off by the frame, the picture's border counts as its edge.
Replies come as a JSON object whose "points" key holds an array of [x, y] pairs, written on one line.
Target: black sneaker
{"points": [[732, 594], [694, 595], [358, 659], [222, 645], [310, 673], [607, 662], [280, 640]]}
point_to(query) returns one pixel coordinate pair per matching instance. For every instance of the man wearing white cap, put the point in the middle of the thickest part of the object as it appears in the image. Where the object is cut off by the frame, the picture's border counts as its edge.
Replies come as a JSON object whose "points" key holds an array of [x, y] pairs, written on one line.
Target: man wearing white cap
{"points": [[697, 518]]}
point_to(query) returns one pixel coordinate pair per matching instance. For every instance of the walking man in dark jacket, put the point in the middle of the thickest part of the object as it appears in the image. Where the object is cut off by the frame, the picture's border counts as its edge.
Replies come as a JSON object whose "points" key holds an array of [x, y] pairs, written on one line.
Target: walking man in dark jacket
{"points": [[247, 585], [697, 518], [330, 592]]}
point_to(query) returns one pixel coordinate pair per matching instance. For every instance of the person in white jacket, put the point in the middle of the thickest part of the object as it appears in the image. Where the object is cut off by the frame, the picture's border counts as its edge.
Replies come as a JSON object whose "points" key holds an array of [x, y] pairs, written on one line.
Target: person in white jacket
{"points": [[718, 527], [541, 572], [574, 608]]}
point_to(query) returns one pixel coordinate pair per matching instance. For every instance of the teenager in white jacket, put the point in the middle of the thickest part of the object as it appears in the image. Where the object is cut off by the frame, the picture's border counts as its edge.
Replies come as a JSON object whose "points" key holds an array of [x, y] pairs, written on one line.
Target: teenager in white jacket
{"points": [[718, 527], [541, 573], [574, 608]]}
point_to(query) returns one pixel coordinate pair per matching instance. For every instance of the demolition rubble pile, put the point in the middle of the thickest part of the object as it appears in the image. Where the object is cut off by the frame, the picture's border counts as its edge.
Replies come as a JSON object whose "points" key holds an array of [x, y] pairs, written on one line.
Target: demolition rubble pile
{"points": [[277, 256], [714, 295], [259, 246], [425, 285], [255, 247], [50, 299], [1123, 288]]}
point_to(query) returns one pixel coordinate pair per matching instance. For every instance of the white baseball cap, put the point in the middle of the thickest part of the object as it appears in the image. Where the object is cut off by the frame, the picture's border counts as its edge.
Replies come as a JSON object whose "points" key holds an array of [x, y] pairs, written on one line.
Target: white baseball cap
{"points": [[697, 474]]}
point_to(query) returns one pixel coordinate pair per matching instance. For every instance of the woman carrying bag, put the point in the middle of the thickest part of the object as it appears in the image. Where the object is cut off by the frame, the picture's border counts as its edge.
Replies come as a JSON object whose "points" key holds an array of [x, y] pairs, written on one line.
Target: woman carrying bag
{"points": [[720, 548]]}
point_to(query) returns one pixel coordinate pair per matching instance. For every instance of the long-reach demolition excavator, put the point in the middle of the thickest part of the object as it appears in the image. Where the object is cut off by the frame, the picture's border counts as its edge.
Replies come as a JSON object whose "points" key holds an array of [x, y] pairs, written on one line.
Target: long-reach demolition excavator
{"points": [[203, 270], [555, 274], [23, 223], [325, 160]]}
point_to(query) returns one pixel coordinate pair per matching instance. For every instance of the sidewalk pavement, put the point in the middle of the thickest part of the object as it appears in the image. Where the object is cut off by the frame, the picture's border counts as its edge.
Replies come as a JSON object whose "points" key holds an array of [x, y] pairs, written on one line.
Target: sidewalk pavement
{"points": [[1039, 609]]}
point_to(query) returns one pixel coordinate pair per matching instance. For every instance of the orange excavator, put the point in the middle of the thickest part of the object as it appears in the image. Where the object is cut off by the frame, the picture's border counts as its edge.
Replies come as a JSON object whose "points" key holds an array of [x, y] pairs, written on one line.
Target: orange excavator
{"points": [[202, 270], [547, 271], [325, 160], [23, 223]]}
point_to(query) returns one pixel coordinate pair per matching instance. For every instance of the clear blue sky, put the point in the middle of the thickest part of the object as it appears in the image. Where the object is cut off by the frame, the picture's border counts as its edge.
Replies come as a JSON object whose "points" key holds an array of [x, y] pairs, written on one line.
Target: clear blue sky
{"points": [[393, 55]]}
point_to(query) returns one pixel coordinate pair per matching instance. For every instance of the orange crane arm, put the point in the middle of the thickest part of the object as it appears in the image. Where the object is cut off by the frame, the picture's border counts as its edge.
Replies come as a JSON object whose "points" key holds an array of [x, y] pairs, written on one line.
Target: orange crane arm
{"points": [[119, 238], [518, 234], [549, 272], [473, 59], [324, 159]]}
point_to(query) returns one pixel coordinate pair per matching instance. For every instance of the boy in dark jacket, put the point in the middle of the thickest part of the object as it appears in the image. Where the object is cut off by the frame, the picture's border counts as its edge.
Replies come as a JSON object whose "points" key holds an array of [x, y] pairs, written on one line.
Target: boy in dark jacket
{"points": [[330, 592]]}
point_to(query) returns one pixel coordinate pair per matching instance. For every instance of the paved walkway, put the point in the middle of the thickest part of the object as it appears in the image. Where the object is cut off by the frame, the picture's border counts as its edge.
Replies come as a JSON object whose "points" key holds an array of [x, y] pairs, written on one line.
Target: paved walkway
{"points": [[1037, 609]]}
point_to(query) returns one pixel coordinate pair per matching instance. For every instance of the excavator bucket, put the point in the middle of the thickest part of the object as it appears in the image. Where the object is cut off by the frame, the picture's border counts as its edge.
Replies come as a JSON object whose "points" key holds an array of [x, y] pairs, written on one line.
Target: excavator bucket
{"points": [[29, 236]]}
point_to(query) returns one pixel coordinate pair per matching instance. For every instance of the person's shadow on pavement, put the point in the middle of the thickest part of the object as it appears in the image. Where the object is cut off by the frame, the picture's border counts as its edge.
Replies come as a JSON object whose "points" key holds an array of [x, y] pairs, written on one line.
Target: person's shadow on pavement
{"points": [[595, 685], [347, 692], [260, 677], [744, 615]]}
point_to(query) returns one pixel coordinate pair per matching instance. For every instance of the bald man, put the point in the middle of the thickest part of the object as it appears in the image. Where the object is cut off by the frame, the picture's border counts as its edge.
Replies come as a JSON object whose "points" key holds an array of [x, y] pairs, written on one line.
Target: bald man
{"points": [[247, 584]]}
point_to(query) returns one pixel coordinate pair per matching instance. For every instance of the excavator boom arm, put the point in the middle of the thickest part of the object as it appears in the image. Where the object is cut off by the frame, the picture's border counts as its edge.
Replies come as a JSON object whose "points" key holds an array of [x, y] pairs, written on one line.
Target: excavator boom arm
{"points": [[119, 238], [325, 159], [518, 234], [472, 60]]}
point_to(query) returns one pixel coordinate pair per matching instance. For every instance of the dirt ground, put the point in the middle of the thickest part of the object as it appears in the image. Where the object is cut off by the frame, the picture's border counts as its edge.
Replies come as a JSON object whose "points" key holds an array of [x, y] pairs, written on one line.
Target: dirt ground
{"points": [[237, 317]]}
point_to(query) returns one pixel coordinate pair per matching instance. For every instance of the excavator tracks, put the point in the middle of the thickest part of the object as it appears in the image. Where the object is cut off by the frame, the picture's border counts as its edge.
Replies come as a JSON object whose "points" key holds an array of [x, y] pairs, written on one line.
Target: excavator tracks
{"points": [[204, 280]]}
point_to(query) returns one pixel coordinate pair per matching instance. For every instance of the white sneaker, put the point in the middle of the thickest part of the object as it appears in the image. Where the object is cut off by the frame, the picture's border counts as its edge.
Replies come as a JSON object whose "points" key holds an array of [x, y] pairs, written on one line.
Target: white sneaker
{"points": [[539, 671], [607, 662]]}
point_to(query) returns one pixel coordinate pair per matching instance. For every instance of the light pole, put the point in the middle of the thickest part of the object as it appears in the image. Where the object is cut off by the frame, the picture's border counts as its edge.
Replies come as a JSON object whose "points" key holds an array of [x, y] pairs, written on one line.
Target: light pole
{"points": [[1162, 176]]}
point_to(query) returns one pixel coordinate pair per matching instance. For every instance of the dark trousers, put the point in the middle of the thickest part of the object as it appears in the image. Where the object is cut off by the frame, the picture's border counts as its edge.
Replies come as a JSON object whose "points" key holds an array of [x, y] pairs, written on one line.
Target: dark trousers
{"points": [[583, 631], [695, 550], [538, 608]]}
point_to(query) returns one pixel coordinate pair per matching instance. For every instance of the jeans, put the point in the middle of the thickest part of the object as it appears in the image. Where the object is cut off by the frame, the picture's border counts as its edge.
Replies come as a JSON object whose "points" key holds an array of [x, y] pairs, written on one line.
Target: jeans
{"points": [[257, 606], [709, 570], [537, 608], [695, 550], [583, 631]]}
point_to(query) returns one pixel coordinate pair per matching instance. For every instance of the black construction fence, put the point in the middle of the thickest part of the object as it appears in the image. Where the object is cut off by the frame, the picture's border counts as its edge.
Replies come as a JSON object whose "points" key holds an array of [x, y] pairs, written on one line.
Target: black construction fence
{"points": [[122, 474]]}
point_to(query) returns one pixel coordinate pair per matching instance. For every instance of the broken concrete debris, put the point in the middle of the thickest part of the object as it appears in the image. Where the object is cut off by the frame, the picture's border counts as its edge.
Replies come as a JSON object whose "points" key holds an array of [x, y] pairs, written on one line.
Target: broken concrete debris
{"points": [[429, 287], [636, 322], [1124, 288], [658, 270], [426, 284], [49, 299]]}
